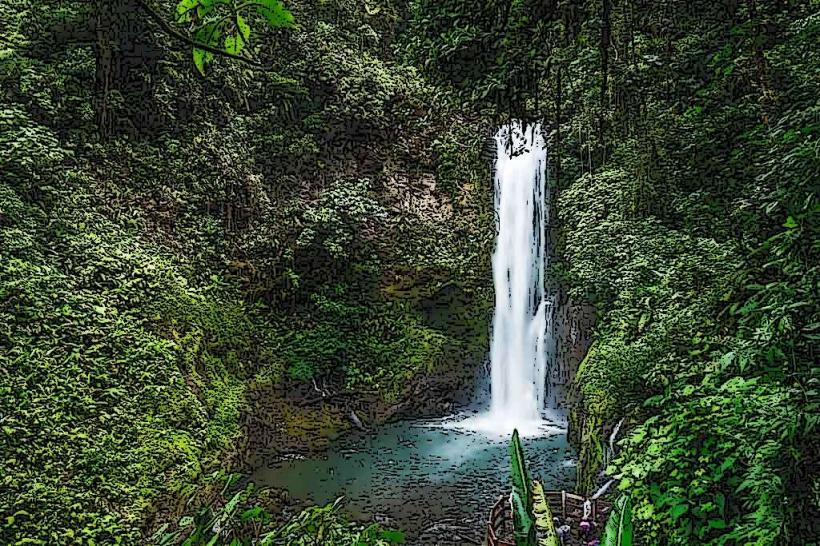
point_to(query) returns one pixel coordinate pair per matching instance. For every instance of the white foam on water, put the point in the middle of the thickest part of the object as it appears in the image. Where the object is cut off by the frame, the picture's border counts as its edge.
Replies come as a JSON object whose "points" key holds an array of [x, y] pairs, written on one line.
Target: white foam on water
{"points": [[487, 426]]}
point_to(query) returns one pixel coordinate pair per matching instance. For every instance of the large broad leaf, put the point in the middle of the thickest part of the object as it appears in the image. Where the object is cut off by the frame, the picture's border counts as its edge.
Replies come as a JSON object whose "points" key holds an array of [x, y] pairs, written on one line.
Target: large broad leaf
{"points": [[544, 524], [275, 13], [523, 522], [209, 34], [184, 9], [618, 530], [521, 497], [518, 470]]}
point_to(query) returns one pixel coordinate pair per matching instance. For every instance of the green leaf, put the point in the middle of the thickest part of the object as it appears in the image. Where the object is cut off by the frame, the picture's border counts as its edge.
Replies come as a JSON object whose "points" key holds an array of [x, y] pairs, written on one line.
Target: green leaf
{"points": [[200, 58], [394, 537], [523, 517], [678, 510], [209, 34], [231, 505], [203, 10], [235, 43], [184, 10], [790, 223], [545, 527], [726, 360], [275, 13], [252, 513], [244, 28], [643, 320], [518, 471], [523, 521], [618, 529]]}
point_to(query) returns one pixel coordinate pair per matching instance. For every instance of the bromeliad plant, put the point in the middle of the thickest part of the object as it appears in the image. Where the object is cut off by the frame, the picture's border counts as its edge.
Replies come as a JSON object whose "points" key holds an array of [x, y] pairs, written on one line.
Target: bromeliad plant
{"points": [[521, 495], [225, 25]]}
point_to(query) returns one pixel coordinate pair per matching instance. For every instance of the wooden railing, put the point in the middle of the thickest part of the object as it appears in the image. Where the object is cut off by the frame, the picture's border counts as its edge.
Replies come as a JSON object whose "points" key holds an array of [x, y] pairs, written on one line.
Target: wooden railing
{"points": [[572, 505], [563, 504], [499, 522]]}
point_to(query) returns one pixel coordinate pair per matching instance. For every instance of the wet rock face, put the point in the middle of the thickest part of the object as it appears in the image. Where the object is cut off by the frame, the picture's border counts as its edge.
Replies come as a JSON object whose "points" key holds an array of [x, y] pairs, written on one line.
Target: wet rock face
{"points": [[573, 325], [572, 322]]}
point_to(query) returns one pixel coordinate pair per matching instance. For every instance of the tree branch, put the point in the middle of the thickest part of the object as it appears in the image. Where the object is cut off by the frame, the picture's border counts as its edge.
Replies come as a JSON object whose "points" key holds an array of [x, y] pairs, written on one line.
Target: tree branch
{"points": [[171, 31]]}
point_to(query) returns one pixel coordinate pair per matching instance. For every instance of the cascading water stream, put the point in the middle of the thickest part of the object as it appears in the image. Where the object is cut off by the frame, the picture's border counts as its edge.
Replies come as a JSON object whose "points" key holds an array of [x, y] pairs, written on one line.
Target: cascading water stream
{"points": [[523, 342], [520, 333]]}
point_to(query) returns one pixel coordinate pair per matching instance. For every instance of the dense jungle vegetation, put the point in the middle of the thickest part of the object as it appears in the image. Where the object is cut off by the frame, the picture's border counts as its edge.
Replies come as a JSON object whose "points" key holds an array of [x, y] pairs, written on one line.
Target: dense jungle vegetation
{"points": [[209, 215]]}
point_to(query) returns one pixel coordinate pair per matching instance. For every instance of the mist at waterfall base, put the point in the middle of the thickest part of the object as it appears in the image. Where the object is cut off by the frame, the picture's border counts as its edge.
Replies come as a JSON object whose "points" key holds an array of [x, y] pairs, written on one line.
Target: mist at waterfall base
{"points": [[436, 479]]}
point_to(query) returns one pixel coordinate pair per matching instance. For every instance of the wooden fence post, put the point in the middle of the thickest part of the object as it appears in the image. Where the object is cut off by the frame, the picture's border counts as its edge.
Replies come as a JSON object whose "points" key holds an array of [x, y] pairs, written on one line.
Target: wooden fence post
{"points": [[563, 504]]}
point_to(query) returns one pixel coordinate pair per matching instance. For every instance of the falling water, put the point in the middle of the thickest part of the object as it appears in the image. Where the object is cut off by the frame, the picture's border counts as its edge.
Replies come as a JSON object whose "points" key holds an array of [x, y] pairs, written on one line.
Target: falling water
{"points": [[521, 335], [523, 341]]}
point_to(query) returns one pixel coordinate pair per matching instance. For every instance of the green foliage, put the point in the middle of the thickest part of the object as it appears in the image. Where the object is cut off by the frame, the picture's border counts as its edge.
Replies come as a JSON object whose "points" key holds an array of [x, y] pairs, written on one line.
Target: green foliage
{"points": [[324, 526], [684, 143], [689, 220], [369, 348], [114, 393], [242, 520], [224, 25], [714, 458], [311, 222], [521, 495], [338, 217], [479, 52], [357, 87], [30, 151], [618, 530], [238, 231]]}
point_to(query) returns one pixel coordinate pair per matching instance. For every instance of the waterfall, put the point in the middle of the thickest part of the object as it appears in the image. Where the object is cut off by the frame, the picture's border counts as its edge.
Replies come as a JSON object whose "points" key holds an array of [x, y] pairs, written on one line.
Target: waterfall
{"points": [[522, 339]]}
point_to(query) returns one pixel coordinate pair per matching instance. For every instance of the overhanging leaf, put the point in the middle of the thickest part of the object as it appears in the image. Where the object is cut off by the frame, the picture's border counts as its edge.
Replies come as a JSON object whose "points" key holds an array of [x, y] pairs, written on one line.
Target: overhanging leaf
{"points": [[234, 43], [275, 13], [209, 34], [201, 57], [244, 28], [184, 9]]}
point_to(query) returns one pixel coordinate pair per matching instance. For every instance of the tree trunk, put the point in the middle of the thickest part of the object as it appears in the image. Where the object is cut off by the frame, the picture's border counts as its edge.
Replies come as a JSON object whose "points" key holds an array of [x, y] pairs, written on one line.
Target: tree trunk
{"points": [[107, 43], [605, 39], [761, 67], [122, 46], [105, 68]]}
